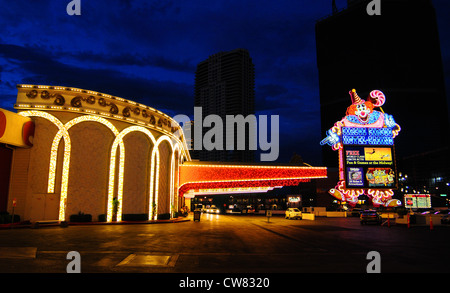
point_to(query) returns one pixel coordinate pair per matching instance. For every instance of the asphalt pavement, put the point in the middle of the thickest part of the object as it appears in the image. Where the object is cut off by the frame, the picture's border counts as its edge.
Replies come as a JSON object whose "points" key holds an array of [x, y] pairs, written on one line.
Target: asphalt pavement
{"points": [[228, 244]]}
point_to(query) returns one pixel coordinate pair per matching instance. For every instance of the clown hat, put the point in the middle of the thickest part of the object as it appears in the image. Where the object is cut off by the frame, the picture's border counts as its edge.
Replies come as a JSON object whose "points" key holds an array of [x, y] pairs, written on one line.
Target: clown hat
{"points": [[356, 100]]}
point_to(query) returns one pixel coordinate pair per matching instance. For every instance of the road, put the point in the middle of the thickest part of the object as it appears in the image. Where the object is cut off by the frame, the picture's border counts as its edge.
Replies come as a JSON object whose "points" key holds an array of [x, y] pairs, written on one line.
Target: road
{"points": [[228, 244]]}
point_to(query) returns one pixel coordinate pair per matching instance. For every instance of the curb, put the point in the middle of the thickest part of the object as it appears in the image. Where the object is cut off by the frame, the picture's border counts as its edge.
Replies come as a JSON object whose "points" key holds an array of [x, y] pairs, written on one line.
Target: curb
{"points": [[66, 224]]}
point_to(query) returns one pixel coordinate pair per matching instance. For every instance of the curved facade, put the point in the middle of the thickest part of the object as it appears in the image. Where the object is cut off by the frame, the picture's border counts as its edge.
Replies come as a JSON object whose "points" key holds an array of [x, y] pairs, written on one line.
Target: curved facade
{"points": [[96, 154]]}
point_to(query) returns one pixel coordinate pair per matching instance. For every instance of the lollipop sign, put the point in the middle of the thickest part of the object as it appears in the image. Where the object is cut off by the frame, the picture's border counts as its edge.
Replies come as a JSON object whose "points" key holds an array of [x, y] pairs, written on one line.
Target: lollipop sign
{"points": [[364, 139]]}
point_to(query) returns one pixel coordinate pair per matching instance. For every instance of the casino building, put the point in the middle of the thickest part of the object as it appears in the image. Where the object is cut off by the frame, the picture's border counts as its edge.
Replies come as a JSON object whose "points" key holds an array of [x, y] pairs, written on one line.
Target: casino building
{"points": [[68, 151]]}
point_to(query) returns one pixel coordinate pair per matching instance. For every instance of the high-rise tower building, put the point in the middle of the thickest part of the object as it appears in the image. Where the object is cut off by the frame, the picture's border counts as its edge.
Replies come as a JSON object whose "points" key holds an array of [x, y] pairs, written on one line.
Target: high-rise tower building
{"points": [[397, 52], [225, 85]]}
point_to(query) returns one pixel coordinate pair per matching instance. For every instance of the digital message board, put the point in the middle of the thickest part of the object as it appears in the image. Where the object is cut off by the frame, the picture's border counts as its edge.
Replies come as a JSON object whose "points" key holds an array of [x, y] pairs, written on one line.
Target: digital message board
{"points": [[367, 136], [417, 201], [369, 167]]}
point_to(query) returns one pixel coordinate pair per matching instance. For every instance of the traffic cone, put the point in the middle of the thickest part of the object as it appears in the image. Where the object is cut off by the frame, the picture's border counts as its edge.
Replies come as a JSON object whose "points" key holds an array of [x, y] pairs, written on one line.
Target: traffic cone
{"points": [[408, 221], [431, 223]]}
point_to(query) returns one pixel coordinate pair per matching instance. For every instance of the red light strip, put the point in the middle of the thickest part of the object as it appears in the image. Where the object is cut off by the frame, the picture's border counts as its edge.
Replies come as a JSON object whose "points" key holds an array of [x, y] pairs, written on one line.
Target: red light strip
{"points": [[235, 176], [236, 184]]}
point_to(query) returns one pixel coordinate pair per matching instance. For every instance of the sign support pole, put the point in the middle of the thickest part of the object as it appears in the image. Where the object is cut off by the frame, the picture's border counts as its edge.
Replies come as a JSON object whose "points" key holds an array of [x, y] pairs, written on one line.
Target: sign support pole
{"points": [[268, 215], [12, 216]]}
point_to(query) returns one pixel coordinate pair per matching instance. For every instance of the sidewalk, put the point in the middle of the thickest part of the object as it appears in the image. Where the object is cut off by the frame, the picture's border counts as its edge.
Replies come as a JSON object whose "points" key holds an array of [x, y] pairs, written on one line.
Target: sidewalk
{"points": [[38, 224]]}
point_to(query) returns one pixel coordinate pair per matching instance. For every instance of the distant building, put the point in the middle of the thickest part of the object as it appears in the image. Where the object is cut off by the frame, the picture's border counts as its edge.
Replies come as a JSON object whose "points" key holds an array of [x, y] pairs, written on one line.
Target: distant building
{"points": [[225, 85], [397, 52]]}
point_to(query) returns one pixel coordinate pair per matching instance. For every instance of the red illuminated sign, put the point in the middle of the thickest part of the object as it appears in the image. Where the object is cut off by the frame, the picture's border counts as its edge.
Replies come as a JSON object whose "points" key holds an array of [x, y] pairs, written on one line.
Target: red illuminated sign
{"points": [[195, 176]]}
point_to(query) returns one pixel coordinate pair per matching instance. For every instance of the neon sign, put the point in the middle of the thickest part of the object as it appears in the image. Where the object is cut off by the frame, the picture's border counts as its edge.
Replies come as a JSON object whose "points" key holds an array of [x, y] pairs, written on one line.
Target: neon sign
{"points": [[197, 176], [364, 139], [367, 136]]}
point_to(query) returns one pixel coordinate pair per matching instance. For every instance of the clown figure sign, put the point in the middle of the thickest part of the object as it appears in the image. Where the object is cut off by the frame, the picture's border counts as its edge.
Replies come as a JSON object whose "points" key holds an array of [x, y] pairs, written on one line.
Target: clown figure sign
{"points": [[364, 139]]}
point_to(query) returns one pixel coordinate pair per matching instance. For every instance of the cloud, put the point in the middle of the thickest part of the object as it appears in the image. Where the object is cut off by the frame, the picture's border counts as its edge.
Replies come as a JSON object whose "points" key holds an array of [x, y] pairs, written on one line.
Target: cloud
{"points": [[130, 59], [40, 67]]}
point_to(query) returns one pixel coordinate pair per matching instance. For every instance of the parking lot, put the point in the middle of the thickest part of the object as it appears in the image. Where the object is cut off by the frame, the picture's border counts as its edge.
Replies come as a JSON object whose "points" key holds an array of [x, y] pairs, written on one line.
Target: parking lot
{"points": [[228, 244]]}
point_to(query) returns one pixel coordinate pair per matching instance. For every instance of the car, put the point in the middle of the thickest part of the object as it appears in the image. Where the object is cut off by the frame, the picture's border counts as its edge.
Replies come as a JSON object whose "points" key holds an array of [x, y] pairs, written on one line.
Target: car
{"points": [[234, 210], [248, 210], [356, 212], [293, 213], [213, 210], [370, 216], [445, 219]]}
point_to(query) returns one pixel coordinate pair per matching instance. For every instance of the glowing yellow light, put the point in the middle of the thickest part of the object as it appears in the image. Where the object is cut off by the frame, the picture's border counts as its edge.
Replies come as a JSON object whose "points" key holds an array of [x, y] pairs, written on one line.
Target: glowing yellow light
{"points": [[108, 124], [175, 166], [173, 139], [154, 179], [154, 184], [52, 168], [53, 157], [118, 142]]}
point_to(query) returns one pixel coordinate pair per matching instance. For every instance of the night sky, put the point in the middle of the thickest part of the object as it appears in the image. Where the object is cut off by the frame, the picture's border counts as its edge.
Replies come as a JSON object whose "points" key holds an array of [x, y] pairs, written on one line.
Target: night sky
{"points": [[147, 51]]}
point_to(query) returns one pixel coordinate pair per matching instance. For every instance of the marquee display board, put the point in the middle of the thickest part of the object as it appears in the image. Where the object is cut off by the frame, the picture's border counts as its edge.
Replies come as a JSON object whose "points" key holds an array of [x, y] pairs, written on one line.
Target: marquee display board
{"points": [[417, 201], [364, 139], [369, 167]]}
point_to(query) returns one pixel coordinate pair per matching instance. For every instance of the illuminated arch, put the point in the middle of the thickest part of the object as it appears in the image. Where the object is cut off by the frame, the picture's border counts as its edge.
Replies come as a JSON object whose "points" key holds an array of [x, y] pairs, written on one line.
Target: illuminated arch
{"points": [[62, 133], [154, 184], [114, 130], [170, 130], [118, 142], [174, 175]]}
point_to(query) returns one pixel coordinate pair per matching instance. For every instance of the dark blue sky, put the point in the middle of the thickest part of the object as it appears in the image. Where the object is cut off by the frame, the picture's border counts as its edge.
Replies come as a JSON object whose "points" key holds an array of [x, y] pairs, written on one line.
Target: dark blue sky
{"points": [[147, 51]]}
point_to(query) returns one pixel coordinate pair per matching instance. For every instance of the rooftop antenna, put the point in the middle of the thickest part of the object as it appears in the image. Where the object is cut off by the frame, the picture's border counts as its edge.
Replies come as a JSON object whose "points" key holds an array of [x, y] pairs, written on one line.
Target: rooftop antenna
{"points": [[334, 7]]}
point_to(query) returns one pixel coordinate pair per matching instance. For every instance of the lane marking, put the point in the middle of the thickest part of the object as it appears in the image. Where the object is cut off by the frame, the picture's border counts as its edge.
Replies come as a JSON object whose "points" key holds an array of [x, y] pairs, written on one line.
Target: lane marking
{"points": [[18, 252], [149, 260]]}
